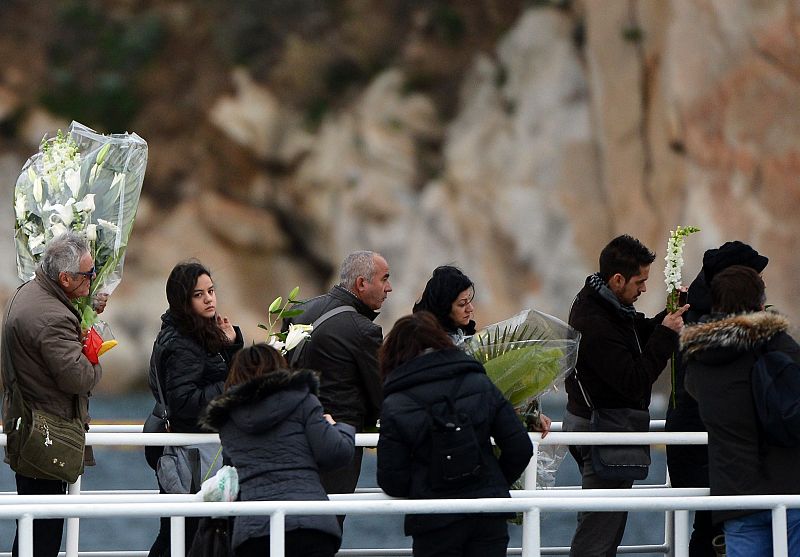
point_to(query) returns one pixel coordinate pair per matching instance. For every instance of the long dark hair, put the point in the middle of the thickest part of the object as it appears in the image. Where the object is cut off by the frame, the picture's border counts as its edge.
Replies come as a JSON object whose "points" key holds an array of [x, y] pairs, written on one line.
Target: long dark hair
{"points": [[180, 287], [410, 337], [442, 289], [254, 361]]}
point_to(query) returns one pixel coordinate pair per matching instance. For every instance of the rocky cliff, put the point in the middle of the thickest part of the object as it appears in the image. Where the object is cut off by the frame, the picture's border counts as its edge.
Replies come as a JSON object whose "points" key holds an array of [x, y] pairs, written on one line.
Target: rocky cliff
{"points": [[511, 138]]}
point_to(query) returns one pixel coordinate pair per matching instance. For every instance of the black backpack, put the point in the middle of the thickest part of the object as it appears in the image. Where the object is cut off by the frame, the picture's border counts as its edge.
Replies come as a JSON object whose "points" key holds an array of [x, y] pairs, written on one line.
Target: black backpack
{"points": [[456, 458], [776, 395]]}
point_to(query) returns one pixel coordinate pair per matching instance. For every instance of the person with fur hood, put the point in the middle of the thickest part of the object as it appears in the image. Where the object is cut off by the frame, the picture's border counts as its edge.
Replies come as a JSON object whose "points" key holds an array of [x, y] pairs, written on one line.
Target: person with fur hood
{"points": [[273, 430], [720, 352]]}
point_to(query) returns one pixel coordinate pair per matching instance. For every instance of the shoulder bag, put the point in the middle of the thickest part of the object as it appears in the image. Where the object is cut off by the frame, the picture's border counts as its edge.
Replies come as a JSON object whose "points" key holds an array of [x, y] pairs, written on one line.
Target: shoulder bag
{"points": [[618, 462], [157, 422]]}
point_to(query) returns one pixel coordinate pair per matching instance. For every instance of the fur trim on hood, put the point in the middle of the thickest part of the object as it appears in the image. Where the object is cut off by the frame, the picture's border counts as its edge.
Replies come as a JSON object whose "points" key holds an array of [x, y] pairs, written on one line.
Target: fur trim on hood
{"points": [[255, 390], [741, 332]]}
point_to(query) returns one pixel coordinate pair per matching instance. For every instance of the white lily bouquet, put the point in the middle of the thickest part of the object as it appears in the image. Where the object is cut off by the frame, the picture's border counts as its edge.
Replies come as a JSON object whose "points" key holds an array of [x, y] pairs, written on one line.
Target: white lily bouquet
{"points": [[284, 341], [86, 182]]}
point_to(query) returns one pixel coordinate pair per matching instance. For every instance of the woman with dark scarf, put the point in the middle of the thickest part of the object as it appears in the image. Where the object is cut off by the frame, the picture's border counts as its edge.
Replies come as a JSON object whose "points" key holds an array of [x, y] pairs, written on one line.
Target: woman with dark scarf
{"points": [[448, 296]]}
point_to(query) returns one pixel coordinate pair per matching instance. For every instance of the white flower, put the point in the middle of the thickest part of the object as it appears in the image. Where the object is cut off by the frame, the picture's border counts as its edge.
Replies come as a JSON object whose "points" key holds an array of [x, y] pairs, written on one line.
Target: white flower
{"points": [[57, 229], [91, 232], [19, 207], [72, 176], [119, 178], [86, 204], [35, 242], [296, 334], [63, 212], [37, 189], [276, 343], [110, 226]]}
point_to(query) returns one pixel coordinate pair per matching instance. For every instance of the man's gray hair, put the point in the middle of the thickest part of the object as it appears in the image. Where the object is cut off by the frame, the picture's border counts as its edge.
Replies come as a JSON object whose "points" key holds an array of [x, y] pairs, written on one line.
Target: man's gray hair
{"points": [[357, 264], [63, 254]]}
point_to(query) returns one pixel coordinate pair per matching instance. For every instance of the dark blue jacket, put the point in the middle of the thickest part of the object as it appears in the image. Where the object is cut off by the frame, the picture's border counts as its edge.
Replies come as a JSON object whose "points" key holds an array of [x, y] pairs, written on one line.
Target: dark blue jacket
{"points": [[404, 446], [273, 432]]}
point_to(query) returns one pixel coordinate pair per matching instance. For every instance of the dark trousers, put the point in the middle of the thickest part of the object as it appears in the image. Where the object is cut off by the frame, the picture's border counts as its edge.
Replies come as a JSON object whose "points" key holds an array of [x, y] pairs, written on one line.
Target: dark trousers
{"points": [[688, 467], [302, 542], [345, 479], [46, 532], [598, 533], [162, 545], [473, 536]]}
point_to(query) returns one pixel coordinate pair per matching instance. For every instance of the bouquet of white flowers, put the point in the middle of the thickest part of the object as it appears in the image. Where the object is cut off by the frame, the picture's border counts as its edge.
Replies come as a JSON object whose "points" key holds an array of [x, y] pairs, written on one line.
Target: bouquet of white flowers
{"points": [[84, 182]]}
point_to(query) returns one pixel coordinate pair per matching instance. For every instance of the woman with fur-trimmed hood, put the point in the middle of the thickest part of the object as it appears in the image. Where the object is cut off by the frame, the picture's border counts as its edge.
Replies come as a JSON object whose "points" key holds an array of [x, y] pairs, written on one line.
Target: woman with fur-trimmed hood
{"points": [[274, 432], [720, 352]]}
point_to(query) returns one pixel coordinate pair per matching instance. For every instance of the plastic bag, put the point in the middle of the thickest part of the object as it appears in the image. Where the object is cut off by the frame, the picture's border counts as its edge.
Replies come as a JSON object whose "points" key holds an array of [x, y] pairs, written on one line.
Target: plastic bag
{"points": [[222, 487]]}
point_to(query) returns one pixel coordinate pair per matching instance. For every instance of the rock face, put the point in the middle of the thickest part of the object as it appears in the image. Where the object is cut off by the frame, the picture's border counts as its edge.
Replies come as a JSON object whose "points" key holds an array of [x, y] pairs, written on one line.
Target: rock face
{"points": [[576, 125]]}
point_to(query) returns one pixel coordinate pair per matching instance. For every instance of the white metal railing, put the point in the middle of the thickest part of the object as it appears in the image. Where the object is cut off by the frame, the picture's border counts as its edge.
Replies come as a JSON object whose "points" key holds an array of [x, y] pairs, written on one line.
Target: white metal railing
{"points": [[530, 501]]}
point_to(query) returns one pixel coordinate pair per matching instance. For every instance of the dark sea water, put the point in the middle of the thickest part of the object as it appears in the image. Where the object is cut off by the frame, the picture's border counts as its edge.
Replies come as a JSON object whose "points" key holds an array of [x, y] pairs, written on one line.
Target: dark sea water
{"points": [[127, 469]]}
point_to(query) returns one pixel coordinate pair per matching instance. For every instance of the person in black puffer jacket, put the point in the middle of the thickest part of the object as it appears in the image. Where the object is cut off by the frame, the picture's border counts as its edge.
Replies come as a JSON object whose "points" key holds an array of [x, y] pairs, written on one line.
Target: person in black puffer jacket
{"points": [[420, 366], [720, 352], [190, 359], [274, 432]]}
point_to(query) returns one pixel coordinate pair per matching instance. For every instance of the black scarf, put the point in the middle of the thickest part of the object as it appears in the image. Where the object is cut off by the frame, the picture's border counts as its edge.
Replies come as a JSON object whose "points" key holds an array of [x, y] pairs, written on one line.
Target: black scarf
{"points": [[605, 292]]}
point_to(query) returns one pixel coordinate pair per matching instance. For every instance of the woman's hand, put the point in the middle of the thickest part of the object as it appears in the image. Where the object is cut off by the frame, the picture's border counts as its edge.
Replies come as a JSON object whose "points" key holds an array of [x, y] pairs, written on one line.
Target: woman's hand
{"points": [[227, 327], [329, 419], [543, 425]]}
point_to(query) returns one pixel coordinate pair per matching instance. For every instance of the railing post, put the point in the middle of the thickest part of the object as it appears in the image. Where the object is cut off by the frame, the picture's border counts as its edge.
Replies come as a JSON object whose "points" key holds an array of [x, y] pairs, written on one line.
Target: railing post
{"points": [[681, 537], [277, 523], [531, 533], [177, 536], [780, 545], [25, 535], [73, 524]]}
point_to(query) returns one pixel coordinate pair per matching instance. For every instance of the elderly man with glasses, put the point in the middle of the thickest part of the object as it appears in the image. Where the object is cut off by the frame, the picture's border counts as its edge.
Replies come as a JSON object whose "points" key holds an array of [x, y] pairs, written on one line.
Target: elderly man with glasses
{"points": [[43, 352]]}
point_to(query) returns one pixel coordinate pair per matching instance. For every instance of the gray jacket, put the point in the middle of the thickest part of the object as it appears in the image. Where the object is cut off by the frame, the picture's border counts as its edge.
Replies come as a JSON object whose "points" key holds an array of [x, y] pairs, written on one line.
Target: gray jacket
{"points": [[273, 432]]}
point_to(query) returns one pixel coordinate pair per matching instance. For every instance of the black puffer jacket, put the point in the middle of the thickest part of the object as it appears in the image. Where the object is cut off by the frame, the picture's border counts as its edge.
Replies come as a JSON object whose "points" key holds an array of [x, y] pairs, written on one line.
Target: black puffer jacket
{"points": [[273, 432], [404, 444], [344, 349], [619, 357], [190, 376], [720, 354]]}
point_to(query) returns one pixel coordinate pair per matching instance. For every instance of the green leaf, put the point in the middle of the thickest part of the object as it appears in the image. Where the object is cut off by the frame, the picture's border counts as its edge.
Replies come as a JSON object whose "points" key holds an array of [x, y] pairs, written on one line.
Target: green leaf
{"points": [[101, 154], [291, 313], [293, 294], [275, 305], [262, 326]]}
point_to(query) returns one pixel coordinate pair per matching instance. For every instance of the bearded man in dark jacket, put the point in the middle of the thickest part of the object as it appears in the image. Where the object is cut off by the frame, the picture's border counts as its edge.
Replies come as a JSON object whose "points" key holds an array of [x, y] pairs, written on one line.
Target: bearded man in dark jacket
{"points": [[620, 356], [344, 349]]}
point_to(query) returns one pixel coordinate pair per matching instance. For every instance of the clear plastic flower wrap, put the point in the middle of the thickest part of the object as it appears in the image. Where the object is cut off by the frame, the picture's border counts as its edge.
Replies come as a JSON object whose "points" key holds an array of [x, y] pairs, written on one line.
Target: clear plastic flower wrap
{"points": [[527, 356], [85, 182]]}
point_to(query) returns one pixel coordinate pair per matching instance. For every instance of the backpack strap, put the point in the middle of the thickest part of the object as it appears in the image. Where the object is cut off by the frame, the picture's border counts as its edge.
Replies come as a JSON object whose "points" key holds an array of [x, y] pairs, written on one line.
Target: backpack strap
{"points": [[317, 322]]}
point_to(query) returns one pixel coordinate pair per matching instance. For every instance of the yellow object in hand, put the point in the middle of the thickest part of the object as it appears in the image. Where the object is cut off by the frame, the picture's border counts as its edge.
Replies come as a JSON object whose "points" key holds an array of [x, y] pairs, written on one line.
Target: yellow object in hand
{"points": [[106, 346]]}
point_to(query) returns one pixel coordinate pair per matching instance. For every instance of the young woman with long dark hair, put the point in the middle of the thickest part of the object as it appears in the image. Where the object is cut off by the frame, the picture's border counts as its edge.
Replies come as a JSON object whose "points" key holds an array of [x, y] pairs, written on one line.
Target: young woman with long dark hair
{"points": [[190, 360]]}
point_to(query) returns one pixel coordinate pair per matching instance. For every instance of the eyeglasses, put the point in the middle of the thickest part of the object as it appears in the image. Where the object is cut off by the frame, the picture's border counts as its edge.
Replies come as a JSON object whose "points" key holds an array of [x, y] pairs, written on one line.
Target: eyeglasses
{"points": [[90, 274]]}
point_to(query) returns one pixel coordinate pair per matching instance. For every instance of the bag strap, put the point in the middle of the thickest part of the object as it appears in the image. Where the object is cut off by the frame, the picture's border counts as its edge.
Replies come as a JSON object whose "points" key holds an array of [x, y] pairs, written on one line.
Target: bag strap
{"points": [[317, 322], [161, 400]]}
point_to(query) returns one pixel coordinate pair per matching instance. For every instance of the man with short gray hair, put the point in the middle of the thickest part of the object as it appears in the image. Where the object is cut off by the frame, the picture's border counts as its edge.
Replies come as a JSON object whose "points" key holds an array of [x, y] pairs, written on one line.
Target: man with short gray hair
{"points": [[44, 361], [344, 348]]}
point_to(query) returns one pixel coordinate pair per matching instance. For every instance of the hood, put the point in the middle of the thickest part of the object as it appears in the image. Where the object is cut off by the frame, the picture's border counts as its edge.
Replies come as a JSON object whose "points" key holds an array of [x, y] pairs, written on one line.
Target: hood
{"points": [[731, 335], [429, 367], [263, 402]]}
